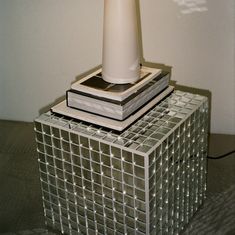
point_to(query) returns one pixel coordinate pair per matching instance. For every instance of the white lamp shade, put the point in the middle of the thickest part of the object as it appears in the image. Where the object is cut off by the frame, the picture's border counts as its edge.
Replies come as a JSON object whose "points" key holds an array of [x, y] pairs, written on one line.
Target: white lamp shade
{"points": [[120, 42]]}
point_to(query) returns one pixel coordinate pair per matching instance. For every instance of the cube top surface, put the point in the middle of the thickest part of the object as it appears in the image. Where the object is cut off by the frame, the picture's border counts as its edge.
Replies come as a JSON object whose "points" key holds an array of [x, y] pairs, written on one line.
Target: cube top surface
{"points": [[146, 133]]}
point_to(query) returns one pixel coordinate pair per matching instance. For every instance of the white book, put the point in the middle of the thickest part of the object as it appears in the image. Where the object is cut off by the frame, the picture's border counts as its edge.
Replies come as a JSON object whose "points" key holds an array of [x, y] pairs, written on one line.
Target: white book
{"points": [[93, 84]]}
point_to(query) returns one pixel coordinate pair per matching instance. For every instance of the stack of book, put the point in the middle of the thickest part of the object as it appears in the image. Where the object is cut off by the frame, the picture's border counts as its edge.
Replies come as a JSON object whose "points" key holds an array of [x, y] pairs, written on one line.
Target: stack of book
{"points": [[96, 98]]}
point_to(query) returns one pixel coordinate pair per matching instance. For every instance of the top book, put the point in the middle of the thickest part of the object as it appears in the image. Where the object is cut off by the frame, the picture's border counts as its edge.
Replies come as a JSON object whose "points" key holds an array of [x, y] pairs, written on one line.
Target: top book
{"points": [[94, 84]]}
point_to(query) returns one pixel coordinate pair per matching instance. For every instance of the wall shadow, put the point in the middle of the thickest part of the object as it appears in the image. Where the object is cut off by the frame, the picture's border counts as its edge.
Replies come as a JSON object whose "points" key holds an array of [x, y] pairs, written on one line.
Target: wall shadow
{"points": [[47, 108], [140, 42], [168, 68]]}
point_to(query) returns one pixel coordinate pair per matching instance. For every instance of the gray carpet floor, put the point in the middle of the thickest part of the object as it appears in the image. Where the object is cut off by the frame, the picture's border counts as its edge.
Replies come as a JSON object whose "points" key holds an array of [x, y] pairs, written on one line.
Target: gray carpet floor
{"points": [[20, 197]]}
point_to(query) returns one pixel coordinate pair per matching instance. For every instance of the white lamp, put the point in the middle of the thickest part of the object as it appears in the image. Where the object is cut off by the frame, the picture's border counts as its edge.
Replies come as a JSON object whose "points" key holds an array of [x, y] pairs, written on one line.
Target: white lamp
{"points": [[120, 42]]}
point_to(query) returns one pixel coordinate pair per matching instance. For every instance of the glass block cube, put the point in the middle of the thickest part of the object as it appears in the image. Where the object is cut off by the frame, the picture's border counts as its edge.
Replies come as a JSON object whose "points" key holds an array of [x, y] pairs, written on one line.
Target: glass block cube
{"points": [[148, 179]]}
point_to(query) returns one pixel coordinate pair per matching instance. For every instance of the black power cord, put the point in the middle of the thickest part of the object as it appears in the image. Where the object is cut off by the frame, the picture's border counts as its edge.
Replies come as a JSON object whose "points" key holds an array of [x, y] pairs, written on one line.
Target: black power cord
{"points": [[221, 156]]}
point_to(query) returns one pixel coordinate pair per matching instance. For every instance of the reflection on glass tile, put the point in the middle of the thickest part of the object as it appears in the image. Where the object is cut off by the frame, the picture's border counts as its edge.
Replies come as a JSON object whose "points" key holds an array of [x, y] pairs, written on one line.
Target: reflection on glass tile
{"points": [[128, 167], [65, 146], [105, 160], [139, 172], [64, 135], [148, 179], [139, 160]]}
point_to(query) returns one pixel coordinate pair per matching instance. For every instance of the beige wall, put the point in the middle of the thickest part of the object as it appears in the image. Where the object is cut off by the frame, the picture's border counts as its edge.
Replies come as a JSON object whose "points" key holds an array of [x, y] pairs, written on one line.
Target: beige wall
{"points": [[45, 44]]}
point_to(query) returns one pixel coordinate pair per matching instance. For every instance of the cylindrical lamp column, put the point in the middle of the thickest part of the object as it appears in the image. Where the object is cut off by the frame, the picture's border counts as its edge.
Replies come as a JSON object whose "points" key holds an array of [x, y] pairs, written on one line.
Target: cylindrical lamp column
{"points": [[120, 42]]}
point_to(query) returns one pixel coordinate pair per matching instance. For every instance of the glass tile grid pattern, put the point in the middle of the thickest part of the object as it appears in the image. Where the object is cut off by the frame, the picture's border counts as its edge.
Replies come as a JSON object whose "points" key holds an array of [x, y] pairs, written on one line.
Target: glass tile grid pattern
{"points": [[148, 179]]}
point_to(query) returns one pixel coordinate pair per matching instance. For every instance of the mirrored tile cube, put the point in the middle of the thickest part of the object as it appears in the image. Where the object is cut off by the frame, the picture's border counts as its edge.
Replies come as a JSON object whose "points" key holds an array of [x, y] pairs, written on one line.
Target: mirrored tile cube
{"points": [[148, 179]]}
